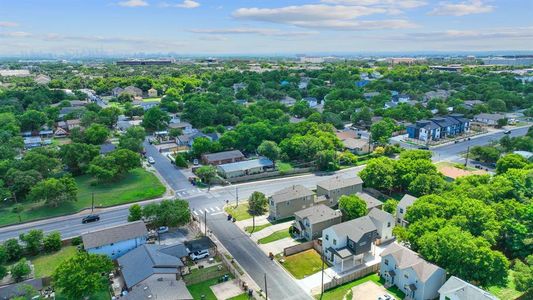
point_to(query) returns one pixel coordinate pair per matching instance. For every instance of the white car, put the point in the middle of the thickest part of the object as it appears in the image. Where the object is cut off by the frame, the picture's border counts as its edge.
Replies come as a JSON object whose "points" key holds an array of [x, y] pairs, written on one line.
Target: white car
{"points": [[151, 160], [386, 297], [162, 229], [199, 254]]}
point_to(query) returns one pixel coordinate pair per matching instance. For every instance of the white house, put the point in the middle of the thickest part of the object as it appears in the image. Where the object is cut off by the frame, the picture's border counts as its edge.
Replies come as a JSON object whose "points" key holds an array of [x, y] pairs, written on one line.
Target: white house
{"points": [[404, 268], [115, 241], [458, 289], [384, 223], [406, 201]]}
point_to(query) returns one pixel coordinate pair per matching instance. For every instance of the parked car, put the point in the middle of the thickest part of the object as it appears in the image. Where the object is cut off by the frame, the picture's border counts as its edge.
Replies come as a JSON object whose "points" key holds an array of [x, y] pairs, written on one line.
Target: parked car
{"points": [[507, 132], [199, 254], [195, 162], [90, 219], [386, 297], [162, 229], [151, 160]]}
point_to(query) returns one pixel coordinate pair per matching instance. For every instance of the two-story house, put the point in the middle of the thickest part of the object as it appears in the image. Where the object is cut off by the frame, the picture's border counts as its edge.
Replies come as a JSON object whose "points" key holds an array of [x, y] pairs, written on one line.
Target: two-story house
{"points": [[384, 223], [311, 221], [337, 186], [346, 244], [115, 241], [401, 209], [404, 268], [284, 203], [458, 289], [371, 202]]}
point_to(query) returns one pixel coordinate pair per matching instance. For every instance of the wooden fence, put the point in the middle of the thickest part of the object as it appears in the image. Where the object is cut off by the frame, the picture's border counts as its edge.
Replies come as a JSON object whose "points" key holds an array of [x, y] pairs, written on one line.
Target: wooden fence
{"points": [[302, 247], [269, 175], [350, 277]]}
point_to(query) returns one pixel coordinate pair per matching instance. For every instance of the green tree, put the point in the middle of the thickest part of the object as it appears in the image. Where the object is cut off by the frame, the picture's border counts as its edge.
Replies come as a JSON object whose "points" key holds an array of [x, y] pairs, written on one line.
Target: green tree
{"points": [[80, 276], [379, 174], [114, 164], [20, 270], [13, 249], [425, 184], [523, 276], [3, 260], [155, 119], [257, 206], [487, 154], [382, 131], [352, 207], [327, 160], [510, 161], [390, 206], [52, 242], [172, 213], [270, 150], [108, 116], [362, 117], [201, 145], [55, 192], [135, 213], [77, 156], [206, 173], [33, 241], [32, 120], [96, 134], [181, 161]]}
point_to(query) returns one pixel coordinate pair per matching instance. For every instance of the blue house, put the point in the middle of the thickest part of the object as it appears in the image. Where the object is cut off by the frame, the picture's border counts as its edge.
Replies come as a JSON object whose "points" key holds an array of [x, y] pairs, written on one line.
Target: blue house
{"points": [[115, 241], [438, 127], [362, 83], [425, 130]]}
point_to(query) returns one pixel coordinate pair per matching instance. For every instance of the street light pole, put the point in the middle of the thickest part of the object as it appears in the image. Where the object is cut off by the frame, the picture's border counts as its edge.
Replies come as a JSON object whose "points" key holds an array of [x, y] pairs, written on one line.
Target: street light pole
{"points": [[205, 222], [266, 287], [92, 202]]}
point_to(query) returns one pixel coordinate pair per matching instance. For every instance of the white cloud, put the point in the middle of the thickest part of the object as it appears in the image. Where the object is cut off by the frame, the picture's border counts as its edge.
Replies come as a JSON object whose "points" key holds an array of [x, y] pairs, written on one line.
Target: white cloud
{"points": [[183, 4], [385, 3], [453, 35], [8, 24], [254, 31], [15, 34], [133, 3], [462, 8]]}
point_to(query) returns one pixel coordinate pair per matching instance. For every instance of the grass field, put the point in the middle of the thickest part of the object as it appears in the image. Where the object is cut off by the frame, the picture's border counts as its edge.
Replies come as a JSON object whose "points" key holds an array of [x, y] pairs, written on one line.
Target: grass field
{"points": [[257, 227], [303, 264], [339, 292], [242, 296], [46, 264], [240, 212], [138, 185], [278, 235], [507, 292], [202, 288], [283, 166]]}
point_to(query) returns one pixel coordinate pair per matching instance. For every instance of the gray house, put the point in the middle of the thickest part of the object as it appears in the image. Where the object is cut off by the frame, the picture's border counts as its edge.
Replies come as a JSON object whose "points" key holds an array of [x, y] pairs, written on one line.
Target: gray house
{"points": [[346, 244], [404, 268], [370, 201], [310, 222], [243, 168], [402, 207], [458, 289], [335, 187], [284, 203], [384, 223]]}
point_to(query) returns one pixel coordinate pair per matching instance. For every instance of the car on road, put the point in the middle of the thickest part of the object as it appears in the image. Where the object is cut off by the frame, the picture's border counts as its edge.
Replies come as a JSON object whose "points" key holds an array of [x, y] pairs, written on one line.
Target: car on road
{"points": [[90, 219], [507, 132], [162, 229], [196, 255], [423, 148], [151, 160]]}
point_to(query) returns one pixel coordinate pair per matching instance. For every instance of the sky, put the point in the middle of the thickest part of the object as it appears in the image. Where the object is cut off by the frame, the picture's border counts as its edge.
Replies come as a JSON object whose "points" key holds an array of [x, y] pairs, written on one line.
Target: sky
{"points": [[194, 27]]}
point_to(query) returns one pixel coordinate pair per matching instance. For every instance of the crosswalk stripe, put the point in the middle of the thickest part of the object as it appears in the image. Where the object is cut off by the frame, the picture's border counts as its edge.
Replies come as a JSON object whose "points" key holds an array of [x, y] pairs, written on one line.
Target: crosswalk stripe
{"points": [[212, 210], [194, 212], [217, 208]]}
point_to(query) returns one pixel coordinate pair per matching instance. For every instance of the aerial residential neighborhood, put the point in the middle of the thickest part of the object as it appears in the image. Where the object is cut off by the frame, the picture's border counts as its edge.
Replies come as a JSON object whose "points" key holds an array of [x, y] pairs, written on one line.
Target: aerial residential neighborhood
{"points": [[283, 150]]}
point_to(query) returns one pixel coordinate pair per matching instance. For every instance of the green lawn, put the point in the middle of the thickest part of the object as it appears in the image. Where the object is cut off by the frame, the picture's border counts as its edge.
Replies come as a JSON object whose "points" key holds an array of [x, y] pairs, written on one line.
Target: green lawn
{"points": [[138, 185], [200, 274], [46, 264], [339, 292], [283, 166], [202, 288], [278, 235], [243, 296], [240, 212], [257, 227], [158, 99], [303, 264], [507, 292]]}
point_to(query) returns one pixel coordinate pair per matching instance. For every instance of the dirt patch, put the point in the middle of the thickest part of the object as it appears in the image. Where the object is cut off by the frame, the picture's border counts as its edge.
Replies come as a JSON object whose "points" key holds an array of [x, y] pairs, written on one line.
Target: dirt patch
{"points": [[453, 172], [368, 291]]}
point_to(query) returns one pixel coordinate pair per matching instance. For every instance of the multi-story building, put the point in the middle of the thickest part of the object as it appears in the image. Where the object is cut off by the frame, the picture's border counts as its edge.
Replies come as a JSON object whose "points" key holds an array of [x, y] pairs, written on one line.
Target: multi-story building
{"points": [[284, 203]]}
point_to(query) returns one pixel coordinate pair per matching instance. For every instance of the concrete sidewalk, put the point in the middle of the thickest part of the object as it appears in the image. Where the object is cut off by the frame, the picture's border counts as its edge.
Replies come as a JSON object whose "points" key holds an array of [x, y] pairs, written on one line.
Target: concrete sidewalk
{"points": [[278, 246], [261, 220]]}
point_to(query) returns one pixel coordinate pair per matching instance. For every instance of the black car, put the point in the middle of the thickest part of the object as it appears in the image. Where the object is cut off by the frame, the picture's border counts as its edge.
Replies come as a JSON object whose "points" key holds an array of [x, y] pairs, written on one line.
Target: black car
{"points": [[90, 219], [423, 148]]}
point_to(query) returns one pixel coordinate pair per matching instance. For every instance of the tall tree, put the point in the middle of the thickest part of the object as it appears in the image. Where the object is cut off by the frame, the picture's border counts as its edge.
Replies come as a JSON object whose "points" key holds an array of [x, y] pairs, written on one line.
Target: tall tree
{"points": [[257, 206], [352, 207], [270, 150], [77, 156], [55, 191], [155, 119]]}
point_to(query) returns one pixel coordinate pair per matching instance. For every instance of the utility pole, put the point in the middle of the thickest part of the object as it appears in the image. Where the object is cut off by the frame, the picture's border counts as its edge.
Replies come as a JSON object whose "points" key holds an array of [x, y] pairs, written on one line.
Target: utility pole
{"points": [[266, 288], [92, 202], [237, 195], [322, 284], [205, 222], [467, 152]]}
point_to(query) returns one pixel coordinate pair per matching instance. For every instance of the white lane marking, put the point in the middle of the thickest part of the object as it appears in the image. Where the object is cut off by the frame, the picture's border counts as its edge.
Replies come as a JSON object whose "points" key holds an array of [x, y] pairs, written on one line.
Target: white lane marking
{"points": [[217, 208]]}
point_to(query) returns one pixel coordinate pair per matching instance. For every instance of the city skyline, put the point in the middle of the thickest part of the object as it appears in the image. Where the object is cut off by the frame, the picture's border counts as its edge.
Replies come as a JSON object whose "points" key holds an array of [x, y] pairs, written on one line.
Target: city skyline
{"points": [[263, 27]]}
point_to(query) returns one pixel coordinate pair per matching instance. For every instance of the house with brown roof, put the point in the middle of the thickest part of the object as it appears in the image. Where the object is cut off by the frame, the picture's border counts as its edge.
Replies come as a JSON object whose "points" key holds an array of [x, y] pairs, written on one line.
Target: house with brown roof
{"points": [[310, 222], [224, 157], [335, 187], [117, 240], [404, 268], [284, 203]]}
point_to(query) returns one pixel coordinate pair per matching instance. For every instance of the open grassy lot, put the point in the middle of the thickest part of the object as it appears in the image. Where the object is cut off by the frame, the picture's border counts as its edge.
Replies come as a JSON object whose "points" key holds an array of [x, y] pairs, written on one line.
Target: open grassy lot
{"points": [[138, 185], [283, 166], [242, 296], [46, 264], [339, 292], [303, 264], [240, 212], [257, 227], [507, 292], [278, 235]]}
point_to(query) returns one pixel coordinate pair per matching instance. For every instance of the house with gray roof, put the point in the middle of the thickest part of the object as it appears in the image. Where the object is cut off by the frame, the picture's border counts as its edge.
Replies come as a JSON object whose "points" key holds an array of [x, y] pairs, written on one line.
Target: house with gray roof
{"points": [[115, 241], [384, 224], [370, 201], [224, 157], [404, 268], [335, 187], [488, 119], [148, 260], [347, 243], [311, 221], [406, 201], [244, 168], [285, 202], [458, 289], [159, 286]]}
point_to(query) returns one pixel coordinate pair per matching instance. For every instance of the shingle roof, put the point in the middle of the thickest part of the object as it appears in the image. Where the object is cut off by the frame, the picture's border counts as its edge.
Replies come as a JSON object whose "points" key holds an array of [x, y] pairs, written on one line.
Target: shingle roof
{"points": [[246, 165], [339, 182], [318, 213], [290, 193], [406, 258], [370, 201], [407, 200], [354, 229], [494, 117], [113, 234], [223, 155], [464, 290], [380, 215]]}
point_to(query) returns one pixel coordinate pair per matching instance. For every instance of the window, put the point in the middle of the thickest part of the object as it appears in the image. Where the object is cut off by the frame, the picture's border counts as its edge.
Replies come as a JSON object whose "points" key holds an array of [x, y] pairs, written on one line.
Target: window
{"points": [[334, 242], [327, 237], [401, 210], [388, 224], [386, 261], [362, 244]]}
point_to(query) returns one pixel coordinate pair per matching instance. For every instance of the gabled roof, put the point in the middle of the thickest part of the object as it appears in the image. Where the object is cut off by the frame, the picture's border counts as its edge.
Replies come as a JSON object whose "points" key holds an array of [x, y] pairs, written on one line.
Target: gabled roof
{"points": [[113, 234], [354, 229], [380, 215], [247, 165], [464, 290], [223, 155], [290, 193], [339, 182], [318, 213], [370, 201], [406, 258], [407, 200]]}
